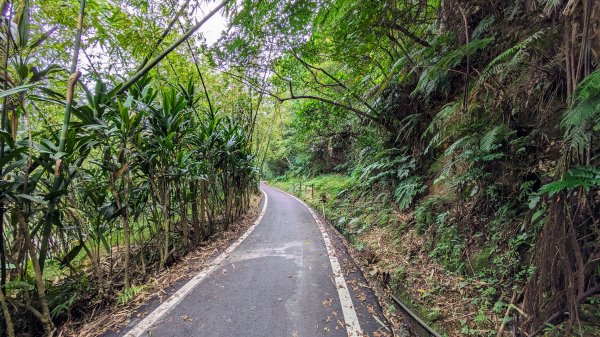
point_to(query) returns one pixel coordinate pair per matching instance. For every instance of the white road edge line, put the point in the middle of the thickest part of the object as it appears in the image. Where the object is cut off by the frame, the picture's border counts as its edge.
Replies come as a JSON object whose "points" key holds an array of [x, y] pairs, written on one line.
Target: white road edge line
{"points": [[155, 315], [352, 324]]}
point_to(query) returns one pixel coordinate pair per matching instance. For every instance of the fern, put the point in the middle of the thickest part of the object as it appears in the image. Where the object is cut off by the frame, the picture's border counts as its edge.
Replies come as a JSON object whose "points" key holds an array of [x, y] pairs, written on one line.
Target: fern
{"points": [[483, 26], [462, 143], [407, 190], [551, 5], [583, 118], [509, 60], [437, 73], [589, 88], [436, 129], [586, 177], [392, 166], [490, 141]]}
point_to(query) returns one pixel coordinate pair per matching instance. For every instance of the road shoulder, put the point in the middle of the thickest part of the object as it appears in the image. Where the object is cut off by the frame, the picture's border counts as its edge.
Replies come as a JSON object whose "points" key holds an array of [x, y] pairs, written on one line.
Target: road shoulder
{"points": [[115, 319], [366, 303]]}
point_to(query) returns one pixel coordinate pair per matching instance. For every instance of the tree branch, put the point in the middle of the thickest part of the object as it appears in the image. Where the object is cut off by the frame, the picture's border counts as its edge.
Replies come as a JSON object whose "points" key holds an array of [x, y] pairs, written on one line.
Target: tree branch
{"points": [[412, 36], [163, 35], [340, 83], [292, 96], [151, 64]]}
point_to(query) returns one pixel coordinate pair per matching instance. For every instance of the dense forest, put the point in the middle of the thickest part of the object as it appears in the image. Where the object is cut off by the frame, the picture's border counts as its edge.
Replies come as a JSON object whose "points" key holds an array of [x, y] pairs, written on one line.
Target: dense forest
{"points": [[453, 142]]}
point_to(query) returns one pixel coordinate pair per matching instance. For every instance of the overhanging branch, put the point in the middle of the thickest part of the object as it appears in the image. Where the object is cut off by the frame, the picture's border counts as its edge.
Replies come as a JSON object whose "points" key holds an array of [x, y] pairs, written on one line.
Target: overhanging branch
{"points": [[293, 96]]}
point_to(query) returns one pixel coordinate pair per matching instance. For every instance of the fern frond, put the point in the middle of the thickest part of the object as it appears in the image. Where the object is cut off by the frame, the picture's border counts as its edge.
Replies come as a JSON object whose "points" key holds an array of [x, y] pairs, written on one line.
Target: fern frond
{"points": [[509, 60], [436, 129], [586, 177], [590, 87], [515, 50], [462, 143], [407, 190], [437, 73], [490, 141], [483, 26], [551, 5], [583, 118]]}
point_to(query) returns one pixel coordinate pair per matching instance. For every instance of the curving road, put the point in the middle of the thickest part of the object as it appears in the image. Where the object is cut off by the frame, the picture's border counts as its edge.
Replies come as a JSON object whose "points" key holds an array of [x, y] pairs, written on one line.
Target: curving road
{"points": [[279, 281]]}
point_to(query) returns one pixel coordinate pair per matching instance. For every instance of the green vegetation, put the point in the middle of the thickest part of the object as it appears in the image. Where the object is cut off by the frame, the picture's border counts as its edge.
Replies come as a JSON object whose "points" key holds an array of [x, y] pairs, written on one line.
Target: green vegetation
{"points": [[454, 142], [109, 173], [455, 138]]}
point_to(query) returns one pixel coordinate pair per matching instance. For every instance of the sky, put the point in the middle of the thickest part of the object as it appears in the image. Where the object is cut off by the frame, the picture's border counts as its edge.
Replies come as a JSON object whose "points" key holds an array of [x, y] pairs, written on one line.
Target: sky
{"points": [[211, 30], [214, 26]]}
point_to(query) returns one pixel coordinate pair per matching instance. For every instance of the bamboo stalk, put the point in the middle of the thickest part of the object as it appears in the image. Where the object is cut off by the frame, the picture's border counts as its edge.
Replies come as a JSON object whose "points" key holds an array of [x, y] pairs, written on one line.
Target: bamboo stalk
{"points": [[207, 226], [126, 225], [151, 64], [164, 34], [58, 182], [503, 324], [198, 234], [39, 279], [3, 127]]}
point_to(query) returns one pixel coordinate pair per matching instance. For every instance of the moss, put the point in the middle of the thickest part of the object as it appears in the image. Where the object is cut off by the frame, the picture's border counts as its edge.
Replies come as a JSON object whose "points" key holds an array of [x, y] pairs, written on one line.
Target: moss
{"points": [[482, 260]]}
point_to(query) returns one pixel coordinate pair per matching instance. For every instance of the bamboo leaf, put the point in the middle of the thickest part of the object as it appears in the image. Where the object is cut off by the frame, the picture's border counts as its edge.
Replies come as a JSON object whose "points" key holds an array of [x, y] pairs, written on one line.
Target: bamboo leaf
{"points": [[16, 90], [36, 199]]}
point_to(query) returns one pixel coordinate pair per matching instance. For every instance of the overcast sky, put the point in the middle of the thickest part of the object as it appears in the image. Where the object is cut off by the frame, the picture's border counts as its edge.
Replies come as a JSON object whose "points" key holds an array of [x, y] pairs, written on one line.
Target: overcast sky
{"points": [[214, 26], [211, 30]]}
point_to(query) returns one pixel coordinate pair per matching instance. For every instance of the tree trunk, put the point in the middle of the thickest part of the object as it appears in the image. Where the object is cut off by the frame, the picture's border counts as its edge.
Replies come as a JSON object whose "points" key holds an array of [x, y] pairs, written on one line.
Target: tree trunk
{"points": [[206, 225], [195, 222], [39, 279], [183, 215], [10, 328], [126, 230], [228, 207]]}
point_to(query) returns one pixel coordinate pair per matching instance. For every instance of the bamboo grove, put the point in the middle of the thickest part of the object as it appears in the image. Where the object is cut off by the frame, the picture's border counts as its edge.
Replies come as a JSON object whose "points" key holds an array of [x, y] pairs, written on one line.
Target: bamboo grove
{"points": [[136, 175]]}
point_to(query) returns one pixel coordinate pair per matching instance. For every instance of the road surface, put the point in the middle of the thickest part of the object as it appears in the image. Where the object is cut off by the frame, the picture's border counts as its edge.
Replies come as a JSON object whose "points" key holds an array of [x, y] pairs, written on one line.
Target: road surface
{"points": [[279, 281]]}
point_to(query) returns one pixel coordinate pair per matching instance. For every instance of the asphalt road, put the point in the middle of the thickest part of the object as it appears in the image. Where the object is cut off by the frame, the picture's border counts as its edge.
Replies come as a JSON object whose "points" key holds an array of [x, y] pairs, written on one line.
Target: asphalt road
{"points": [[278, 282]]}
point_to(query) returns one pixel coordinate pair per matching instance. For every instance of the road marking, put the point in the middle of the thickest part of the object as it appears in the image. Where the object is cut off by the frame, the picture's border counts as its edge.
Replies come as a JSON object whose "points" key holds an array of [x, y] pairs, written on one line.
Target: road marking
{"points": [[348, 310], [154, 316]]}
